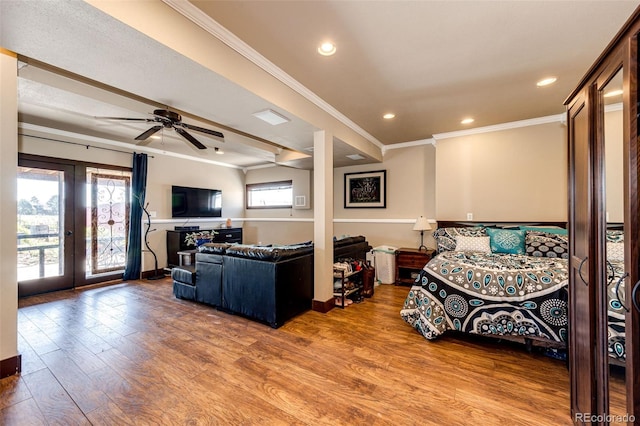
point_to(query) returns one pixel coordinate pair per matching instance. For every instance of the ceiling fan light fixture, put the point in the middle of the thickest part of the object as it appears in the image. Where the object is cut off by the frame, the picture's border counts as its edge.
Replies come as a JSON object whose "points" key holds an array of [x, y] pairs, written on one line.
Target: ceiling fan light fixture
{"points": [[546, 81], [271, 117], [327, 48], [613, 93]]}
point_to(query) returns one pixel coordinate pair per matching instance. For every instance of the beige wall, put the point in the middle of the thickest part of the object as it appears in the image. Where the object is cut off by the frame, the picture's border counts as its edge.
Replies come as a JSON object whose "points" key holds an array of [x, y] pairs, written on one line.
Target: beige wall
{"points": [[613, 139], [410, 193], [280, 226], [164, 171], [508, 175], [301, 181], [8, 176], [496, 176]]}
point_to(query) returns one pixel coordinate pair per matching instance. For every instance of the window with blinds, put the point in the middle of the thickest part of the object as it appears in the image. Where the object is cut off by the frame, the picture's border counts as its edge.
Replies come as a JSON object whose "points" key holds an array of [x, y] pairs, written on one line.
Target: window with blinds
{"points": [[270, 195]]}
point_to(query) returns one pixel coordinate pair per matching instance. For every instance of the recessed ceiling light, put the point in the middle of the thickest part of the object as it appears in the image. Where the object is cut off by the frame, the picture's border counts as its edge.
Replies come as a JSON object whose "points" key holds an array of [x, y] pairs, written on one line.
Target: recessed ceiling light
{"points": [[389, 116], [219, 151], [613, 93], [467, 121], [271, 117], [327, 48], [546, 81]]}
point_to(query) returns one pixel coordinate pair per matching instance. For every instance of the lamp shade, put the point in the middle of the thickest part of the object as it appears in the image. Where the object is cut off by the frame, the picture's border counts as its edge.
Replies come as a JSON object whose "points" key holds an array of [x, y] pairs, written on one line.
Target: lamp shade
{"points": [[422, 224]]}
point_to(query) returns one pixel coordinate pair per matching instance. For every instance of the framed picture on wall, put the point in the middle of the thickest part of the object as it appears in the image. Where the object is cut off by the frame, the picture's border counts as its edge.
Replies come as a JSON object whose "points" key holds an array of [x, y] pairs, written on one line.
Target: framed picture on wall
{"points": [[365, 189]]}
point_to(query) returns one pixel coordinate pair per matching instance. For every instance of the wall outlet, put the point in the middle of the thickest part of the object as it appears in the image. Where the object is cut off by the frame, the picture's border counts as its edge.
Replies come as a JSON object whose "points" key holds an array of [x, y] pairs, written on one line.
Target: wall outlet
{"points": [[607, 217], [469, 216], [153, 214]]}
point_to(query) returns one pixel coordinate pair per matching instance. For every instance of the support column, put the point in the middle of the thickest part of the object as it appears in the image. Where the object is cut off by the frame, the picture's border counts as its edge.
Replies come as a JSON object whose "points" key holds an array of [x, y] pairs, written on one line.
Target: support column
{"points": [[323, 221], [9, 358]]}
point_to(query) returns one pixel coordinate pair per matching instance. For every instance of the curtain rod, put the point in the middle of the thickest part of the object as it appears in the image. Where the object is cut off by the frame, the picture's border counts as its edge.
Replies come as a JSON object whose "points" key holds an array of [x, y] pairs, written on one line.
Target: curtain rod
{"points": [[80, 144]]}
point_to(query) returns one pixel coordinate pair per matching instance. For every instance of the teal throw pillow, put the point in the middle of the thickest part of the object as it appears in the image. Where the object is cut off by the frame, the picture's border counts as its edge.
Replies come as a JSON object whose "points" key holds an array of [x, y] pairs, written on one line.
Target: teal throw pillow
{"points": [[506, 241]]}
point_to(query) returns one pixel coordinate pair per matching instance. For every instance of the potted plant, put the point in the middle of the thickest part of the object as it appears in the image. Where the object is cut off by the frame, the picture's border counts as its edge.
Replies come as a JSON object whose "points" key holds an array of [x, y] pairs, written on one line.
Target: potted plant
{"points": [[198, 238]]}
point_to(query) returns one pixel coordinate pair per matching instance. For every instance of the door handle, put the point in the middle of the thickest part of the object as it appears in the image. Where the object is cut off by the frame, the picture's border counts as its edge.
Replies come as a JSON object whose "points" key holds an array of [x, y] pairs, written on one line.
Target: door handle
{"points": [[634, 297], [68, 233], [580, 271], [617, 290]]}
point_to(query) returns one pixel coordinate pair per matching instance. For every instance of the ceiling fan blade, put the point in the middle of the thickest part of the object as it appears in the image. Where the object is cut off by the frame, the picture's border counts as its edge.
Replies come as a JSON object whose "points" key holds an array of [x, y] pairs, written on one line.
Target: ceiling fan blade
{"points": [[148, 120], [148, 133], [190, 138], [202, 130]]}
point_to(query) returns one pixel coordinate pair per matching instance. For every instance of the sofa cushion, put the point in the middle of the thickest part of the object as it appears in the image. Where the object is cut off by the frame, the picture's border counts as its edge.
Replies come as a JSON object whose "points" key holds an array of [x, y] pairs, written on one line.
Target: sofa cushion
{"points": [[346, 240], [184, 274], [214, 248], [184, 291], [269, 254]]}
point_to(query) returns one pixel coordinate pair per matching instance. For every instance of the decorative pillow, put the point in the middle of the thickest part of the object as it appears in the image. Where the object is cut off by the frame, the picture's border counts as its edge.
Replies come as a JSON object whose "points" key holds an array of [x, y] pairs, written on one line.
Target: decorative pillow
{"points": [[615, 236], [480, 244], [506, 240], [615, 252], [543, 244], [446, 237]]}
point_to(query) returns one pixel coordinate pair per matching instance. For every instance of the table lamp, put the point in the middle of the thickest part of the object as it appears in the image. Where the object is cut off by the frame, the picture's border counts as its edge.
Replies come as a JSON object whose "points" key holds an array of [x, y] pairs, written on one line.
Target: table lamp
{"points": [[422, 224]]}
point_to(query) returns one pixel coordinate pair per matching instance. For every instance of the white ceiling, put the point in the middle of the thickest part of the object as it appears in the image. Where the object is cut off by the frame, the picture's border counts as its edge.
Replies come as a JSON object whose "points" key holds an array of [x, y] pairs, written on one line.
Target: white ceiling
{"points": [[430, 62]]}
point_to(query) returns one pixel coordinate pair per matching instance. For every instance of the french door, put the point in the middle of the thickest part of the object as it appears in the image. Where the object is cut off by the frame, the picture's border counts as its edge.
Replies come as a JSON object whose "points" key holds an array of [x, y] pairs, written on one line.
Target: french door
{"points": [[46, 225], [73, 221]]}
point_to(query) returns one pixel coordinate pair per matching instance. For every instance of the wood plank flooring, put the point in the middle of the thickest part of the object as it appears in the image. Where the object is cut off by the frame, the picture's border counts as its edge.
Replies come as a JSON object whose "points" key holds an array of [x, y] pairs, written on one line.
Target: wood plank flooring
{"points": [[131, 353]]}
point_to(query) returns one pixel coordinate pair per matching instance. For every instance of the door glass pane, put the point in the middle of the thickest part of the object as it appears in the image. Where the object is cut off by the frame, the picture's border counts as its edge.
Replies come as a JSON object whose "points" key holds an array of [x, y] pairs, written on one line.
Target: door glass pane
{"points": [[40, 215], [614, 249], [108, 210]]}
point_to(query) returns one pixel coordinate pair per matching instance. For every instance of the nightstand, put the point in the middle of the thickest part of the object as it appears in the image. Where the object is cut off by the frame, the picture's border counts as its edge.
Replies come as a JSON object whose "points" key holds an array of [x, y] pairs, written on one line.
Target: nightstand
{"points": [[409, 263]]}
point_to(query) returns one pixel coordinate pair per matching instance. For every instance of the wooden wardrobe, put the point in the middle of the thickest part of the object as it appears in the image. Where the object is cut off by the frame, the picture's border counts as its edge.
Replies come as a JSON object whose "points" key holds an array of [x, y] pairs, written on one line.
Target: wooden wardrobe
{"points": [[604, 156]]}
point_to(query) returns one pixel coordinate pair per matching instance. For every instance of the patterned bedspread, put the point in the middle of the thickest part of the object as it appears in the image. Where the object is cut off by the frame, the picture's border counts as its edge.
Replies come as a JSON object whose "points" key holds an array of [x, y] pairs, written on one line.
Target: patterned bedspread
{"points": [[616, 312], [491, 294]]}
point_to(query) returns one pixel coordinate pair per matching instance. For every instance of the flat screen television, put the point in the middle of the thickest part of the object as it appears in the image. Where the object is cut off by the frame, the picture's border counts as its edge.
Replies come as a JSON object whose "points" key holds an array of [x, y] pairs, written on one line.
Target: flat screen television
{"points": [[195, 202]]}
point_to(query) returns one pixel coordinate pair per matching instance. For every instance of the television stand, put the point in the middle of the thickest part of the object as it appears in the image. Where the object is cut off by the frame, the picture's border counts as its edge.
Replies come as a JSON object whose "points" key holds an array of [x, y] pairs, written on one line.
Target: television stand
{"points": [[175, 242]]}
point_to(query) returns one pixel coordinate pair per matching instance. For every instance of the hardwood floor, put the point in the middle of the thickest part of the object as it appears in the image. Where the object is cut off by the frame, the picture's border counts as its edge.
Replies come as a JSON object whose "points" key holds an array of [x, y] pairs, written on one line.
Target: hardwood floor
{"points": [[131, 353]]}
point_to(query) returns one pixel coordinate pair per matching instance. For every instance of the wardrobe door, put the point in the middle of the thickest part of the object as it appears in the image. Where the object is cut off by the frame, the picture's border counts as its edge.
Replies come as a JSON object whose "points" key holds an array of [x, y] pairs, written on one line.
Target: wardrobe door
{"points": [[582, 307], [612, 274], [632, 231]]}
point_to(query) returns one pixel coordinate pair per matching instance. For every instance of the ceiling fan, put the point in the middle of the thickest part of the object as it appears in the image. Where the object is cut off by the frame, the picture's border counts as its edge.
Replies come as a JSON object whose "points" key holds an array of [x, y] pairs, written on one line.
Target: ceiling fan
{"points": [[169, 119]]}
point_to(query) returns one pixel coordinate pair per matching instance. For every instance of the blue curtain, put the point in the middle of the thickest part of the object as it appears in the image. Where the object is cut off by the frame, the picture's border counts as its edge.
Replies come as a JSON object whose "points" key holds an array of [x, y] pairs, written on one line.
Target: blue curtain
{"points": [[133, 266]]}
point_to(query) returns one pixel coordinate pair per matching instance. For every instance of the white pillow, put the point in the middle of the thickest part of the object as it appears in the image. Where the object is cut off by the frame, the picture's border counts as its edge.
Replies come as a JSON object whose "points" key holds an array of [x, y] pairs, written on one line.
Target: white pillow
{"points": [[615, 252], [481, 244]]}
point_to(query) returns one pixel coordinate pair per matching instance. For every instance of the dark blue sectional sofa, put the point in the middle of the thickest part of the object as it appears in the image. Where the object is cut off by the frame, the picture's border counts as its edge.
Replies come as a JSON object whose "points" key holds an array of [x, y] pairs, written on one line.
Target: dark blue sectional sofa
{"points": [[268, 284]]}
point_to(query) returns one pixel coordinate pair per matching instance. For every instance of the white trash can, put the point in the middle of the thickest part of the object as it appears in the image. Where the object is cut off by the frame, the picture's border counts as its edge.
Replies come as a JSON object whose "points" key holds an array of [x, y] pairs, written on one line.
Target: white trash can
{"points": [[385, 264]]}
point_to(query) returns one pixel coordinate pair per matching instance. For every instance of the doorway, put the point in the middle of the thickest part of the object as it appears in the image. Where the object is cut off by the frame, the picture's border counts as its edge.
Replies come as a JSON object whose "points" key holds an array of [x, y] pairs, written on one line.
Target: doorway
{"points": [[73, 222]]}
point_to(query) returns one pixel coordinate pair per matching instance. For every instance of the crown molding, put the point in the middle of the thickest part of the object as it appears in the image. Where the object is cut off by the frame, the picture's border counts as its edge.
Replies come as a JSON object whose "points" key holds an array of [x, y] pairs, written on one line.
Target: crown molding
{"points": [[613, 107], [558, 118], [430, 141], [204, 21]]}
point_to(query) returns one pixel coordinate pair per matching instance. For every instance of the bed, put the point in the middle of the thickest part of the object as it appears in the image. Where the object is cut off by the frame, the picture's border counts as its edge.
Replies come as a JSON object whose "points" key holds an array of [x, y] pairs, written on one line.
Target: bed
{"points": [[506, 281], [616, 308]]}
